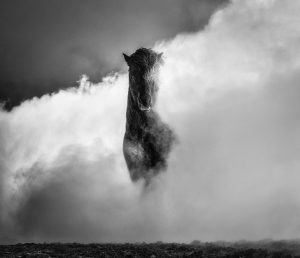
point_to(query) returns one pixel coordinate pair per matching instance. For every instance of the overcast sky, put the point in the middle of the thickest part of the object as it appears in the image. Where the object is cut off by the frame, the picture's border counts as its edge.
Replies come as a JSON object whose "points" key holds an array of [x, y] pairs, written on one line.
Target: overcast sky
{"points": [[46, 45]]}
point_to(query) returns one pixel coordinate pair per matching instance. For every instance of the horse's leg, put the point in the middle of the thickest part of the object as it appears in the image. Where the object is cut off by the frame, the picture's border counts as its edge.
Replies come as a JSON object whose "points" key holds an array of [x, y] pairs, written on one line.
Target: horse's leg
{"points": [[134, 157]]}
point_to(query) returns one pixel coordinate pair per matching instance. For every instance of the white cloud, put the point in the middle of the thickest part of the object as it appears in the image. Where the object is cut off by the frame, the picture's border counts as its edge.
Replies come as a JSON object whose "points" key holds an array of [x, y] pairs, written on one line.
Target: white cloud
{"points": [[231, 94]]}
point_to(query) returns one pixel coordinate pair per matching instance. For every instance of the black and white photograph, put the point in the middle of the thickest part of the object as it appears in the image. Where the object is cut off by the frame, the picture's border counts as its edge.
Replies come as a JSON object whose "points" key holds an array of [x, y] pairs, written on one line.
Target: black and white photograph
{"points": [[150, 128]]}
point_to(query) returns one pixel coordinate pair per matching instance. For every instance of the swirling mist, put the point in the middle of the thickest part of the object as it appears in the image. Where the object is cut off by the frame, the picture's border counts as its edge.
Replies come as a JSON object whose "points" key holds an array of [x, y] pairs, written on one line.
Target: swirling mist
{"points": [[230, 92]]}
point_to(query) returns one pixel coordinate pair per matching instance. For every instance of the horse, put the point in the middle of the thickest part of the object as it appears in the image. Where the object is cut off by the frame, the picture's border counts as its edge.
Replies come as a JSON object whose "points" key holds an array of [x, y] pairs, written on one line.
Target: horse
{"points": [[147, 140]]}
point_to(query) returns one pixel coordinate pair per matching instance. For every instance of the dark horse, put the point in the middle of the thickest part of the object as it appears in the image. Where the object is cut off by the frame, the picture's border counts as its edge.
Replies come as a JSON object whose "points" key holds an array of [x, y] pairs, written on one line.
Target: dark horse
{"points": [[147, 141]]}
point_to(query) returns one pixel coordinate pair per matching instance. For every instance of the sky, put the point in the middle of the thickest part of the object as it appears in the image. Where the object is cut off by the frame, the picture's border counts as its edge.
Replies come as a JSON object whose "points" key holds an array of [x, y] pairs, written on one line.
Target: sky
{"points": [[229, 90], [48, 45]]}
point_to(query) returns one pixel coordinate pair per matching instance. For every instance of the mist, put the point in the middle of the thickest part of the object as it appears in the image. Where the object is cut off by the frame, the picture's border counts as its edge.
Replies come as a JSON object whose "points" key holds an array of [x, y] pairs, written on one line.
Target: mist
{"points": [[230, 93]]}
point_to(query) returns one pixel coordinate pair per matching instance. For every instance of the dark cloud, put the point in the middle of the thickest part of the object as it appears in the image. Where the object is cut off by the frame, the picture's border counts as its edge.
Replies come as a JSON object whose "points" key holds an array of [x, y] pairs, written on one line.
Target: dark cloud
{"points": [[47, 45]]}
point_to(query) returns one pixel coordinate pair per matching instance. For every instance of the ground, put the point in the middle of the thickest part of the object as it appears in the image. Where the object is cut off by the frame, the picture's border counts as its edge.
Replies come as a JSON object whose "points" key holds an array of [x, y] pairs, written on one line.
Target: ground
{"points": [[196, 249]]}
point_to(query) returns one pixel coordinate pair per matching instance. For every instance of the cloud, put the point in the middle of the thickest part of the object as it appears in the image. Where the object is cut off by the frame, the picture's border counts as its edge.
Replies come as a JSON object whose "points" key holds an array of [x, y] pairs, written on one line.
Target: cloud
{"points": [[230, 92], [45, 46]]}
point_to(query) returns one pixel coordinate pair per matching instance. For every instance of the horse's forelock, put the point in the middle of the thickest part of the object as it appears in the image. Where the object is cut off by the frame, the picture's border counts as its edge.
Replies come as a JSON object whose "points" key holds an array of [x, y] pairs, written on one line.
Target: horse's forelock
{"points": [[145, 56]]}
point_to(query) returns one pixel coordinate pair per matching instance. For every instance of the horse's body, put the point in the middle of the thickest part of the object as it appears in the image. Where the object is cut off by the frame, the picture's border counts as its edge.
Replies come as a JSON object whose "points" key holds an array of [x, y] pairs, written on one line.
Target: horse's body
{"points": [[147, 140]]}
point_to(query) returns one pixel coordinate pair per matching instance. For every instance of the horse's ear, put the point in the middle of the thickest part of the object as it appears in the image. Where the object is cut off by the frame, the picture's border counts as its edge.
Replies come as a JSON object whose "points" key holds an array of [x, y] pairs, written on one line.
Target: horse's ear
{"points": [[127, 59]]}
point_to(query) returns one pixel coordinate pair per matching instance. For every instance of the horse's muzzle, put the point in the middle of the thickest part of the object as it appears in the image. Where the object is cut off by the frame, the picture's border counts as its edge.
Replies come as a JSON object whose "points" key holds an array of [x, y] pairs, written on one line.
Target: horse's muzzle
{"points": [[142, 107], [145, 109]]}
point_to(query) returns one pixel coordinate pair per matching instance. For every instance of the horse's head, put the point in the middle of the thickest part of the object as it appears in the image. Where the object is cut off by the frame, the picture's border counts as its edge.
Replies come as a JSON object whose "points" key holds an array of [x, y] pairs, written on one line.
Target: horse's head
{"points": [[143, 75]]}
